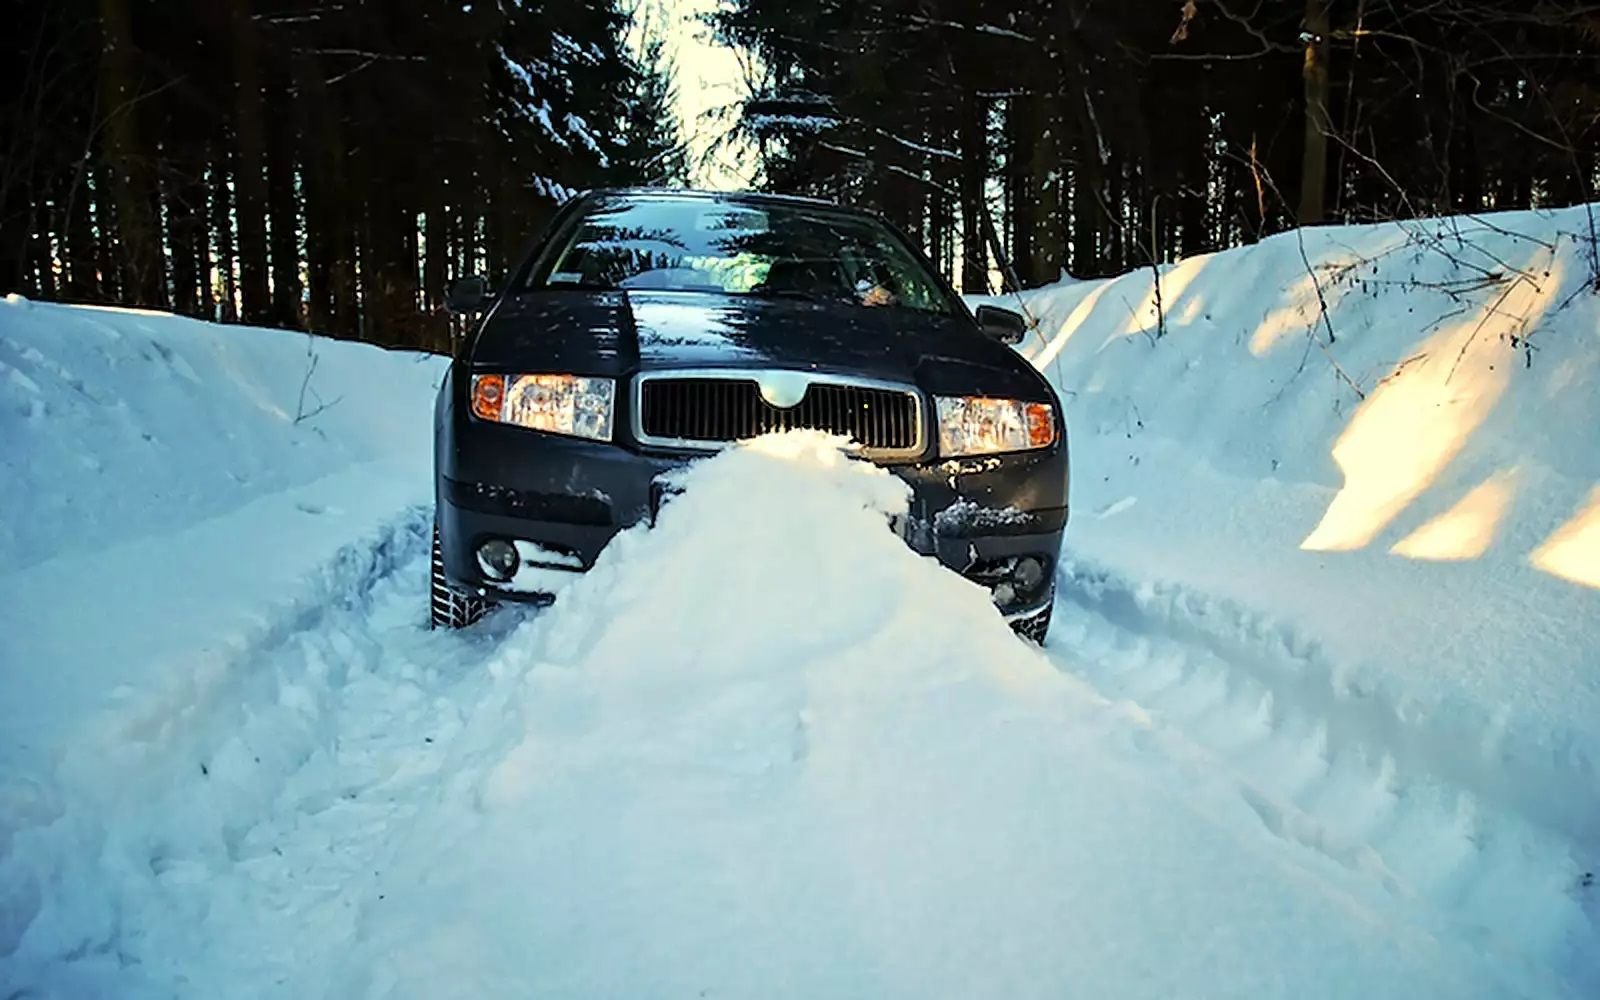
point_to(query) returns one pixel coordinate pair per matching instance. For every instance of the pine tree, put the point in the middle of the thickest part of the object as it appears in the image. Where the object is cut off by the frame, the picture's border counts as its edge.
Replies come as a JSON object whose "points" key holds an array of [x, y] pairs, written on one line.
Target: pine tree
{"points": [[653, 151], [335, 163]]}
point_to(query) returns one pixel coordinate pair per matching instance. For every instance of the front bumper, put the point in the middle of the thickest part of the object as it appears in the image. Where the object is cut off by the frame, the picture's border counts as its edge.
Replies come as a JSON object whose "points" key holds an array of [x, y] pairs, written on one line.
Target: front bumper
{"points": [[570, 498]]}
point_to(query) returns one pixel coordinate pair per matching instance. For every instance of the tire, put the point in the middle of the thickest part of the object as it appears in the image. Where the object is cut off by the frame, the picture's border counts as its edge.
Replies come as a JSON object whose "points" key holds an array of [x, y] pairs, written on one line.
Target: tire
{"points": [[448, 606], [1036, 628]]}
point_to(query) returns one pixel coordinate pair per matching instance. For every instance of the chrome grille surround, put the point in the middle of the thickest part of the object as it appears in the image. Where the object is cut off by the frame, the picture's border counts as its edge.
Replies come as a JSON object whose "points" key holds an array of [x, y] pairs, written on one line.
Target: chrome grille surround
{"points": [[769, 417]]}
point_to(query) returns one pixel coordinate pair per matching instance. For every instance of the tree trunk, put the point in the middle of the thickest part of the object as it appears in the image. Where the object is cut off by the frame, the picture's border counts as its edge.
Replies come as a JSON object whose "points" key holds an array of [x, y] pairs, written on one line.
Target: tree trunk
{"points": [[283, 208], [916, 202], [1091, 252], [184, 233], [105, 226], [250, 185], [974, 161], [436, 265], [388, 261], [319, 140], [467, 221], [1187, 202], [1085, 219], [1050, 215], [1466, 168], [345, 236], [185, 184], [130, 164], [222, 226], [1314, 161], [1022, 127], [16, 213], [41, 250], [1192, 228], [205, 305], [80, 254], [1115, 218], [494, 235]]}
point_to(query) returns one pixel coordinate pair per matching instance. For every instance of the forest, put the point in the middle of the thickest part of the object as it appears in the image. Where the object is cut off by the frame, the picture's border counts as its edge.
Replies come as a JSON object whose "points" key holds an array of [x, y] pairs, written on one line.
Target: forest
{"points": [[330, 164], [309, 164], [1093, 136]]}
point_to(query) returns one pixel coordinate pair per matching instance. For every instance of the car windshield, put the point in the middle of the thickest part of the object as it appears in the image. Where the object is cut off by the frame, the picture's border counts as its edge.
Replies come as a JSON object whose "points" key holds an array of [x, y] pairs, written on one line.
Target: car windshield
{"points": [[769, 249]]}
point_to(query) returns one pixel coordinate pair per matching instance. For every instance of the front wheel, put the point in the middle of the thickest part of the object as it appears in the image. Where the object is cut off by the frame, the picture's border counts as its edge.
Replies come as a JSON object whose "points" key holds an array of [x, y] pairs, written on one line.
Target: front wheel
{"points": [[449, 606]]}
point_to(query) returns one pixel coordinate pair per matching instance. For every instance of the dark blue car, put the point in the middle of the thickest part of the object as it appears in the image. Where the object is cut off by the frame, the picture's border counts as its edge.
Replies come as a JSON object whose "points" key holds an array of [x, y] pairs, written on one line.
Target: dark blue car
{"points": [[649, 327]]}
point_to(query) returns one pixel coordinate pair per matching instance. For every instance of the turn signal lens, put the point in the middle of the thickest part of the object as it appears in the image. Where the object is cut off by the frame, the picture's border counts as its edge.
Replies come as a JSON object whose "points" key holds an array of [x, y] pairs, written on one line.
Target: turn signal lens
{"points": [[1041, 425], [488, 393]]}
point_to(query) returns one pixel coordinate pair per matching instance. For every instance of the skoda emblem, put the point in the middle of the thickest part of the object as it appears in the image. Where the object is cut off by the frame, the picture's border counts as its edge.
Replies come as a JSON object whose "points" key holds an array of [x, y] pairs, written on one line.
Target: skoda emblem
{"points": [[783, 389]]}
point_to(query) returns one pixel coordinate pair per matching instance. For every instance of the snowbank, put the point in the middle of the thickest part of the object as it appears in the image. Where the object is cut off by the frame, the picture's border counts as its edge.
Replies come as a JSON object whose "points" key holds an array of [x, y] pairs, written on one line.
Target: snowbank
{"points": [[121, 423], [766, 750], [1381, 442], [177, 499]]}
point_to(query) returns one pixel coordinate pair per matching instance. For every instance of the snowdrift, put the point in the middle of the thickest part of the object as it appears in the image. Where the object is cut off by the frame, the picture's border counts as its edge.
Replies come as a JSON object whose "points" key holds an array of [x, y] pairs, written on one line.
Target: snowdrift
{"points": [[120, 423], [766, 750], [732, 760], [1381, 442], [177, 500], [166, 482]]}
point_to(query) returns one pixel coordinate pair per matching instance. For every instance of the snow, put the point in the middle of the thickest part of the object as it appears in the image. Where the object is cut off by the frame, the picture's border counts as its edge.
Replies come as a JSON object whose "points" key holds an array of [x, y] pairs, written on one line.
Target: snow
{"points": [[1407, 576], [965, 515], [576, 126], [530, 74], [164, 519], [1280, 743], [546, 556], [798, 123], [1435, 534], [542, 570], [123, 423]]}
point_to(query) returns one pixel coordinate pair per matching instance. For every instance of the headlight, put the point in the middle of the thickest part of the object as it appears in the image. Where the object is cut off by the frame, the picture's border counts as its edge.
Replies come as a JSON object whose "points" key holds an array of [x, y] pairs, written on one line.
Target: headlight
{"points": [[977, 425], [558, 404]]}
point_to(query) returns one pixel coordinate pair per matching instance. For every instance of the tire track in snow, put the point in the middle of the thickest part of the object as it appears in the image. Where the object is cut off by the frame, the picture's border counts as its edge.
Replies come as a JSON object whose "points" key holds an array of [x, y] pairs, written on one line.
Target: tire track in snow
{"points": [[305, 865], [1341, 772], [92, 884], [193, 722]]}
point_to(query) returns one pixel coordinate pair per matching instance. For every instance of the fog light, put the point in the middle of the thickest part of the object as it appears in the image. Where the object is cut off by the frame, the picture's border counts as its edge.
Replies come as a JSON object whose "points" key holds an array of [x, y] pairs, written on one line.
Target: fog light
{"points": [[1005, 595], [498, 558], [1028, 574]]}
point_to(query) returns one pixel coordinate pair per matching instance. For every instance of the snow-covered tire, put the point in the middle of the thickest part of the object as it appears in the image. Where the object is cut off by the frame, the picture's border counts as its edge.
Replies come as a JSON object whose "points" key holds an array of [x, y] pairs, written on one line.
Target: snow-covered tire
{"points": [[448, 606], [1034, 629]]}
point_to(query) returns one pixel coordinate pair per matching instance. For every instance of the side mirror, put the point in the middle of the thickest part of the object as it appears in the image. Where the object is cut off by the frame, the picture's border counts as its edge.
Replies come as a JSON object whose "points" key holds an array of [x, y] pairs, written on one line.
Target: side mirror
{"points": [[1002, 324], [466, 295]]}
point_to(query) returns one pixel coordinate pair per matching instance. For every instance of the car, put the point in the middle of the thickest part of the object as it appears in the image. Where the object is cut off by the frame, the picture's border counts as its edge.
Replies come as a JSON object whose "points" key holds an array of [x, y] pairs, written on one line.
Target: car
{"points": [[649, 327]]}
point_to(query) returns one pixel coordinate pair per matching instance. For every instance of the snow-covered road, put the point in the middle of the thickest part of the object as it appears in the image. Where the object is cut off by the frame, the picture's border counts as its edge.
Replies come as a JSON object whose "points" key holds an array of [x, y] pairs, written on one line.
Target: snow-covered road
{"points": [[1338, 778], [860, 803], [897, 809], [1316, 717]]}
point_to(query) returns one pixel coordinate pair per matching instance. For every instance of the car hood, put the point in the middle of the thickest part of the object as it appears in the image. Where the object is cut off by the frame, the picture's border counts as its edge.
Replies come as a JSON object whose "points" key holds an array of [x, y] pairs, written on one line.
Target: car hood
{"points": [[619, 333]]}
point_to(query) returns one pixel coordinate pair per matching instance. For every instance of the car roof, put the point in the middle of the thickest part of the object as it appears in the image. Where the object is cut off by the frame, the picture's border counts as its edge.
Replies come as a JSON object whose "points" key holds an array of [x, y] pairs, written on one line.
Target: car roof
{"points": [[740, 197]]}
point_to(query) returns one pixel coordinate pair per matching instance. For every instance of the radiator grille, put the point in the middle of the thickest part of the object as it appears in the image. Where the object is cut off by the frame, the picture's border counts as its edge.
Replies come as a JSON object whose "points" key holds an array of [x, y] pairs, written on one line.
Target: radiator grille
{"points": [[695, 410]]}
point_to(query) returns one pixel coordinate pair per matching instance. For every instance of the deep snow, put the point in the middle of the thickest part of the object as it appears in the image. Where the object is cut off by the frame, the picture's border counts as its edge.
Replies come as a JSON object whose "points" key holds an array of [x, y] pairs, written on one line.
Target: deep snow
{"points": [[1317, 717], [1435, 541], [168, 487]]}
